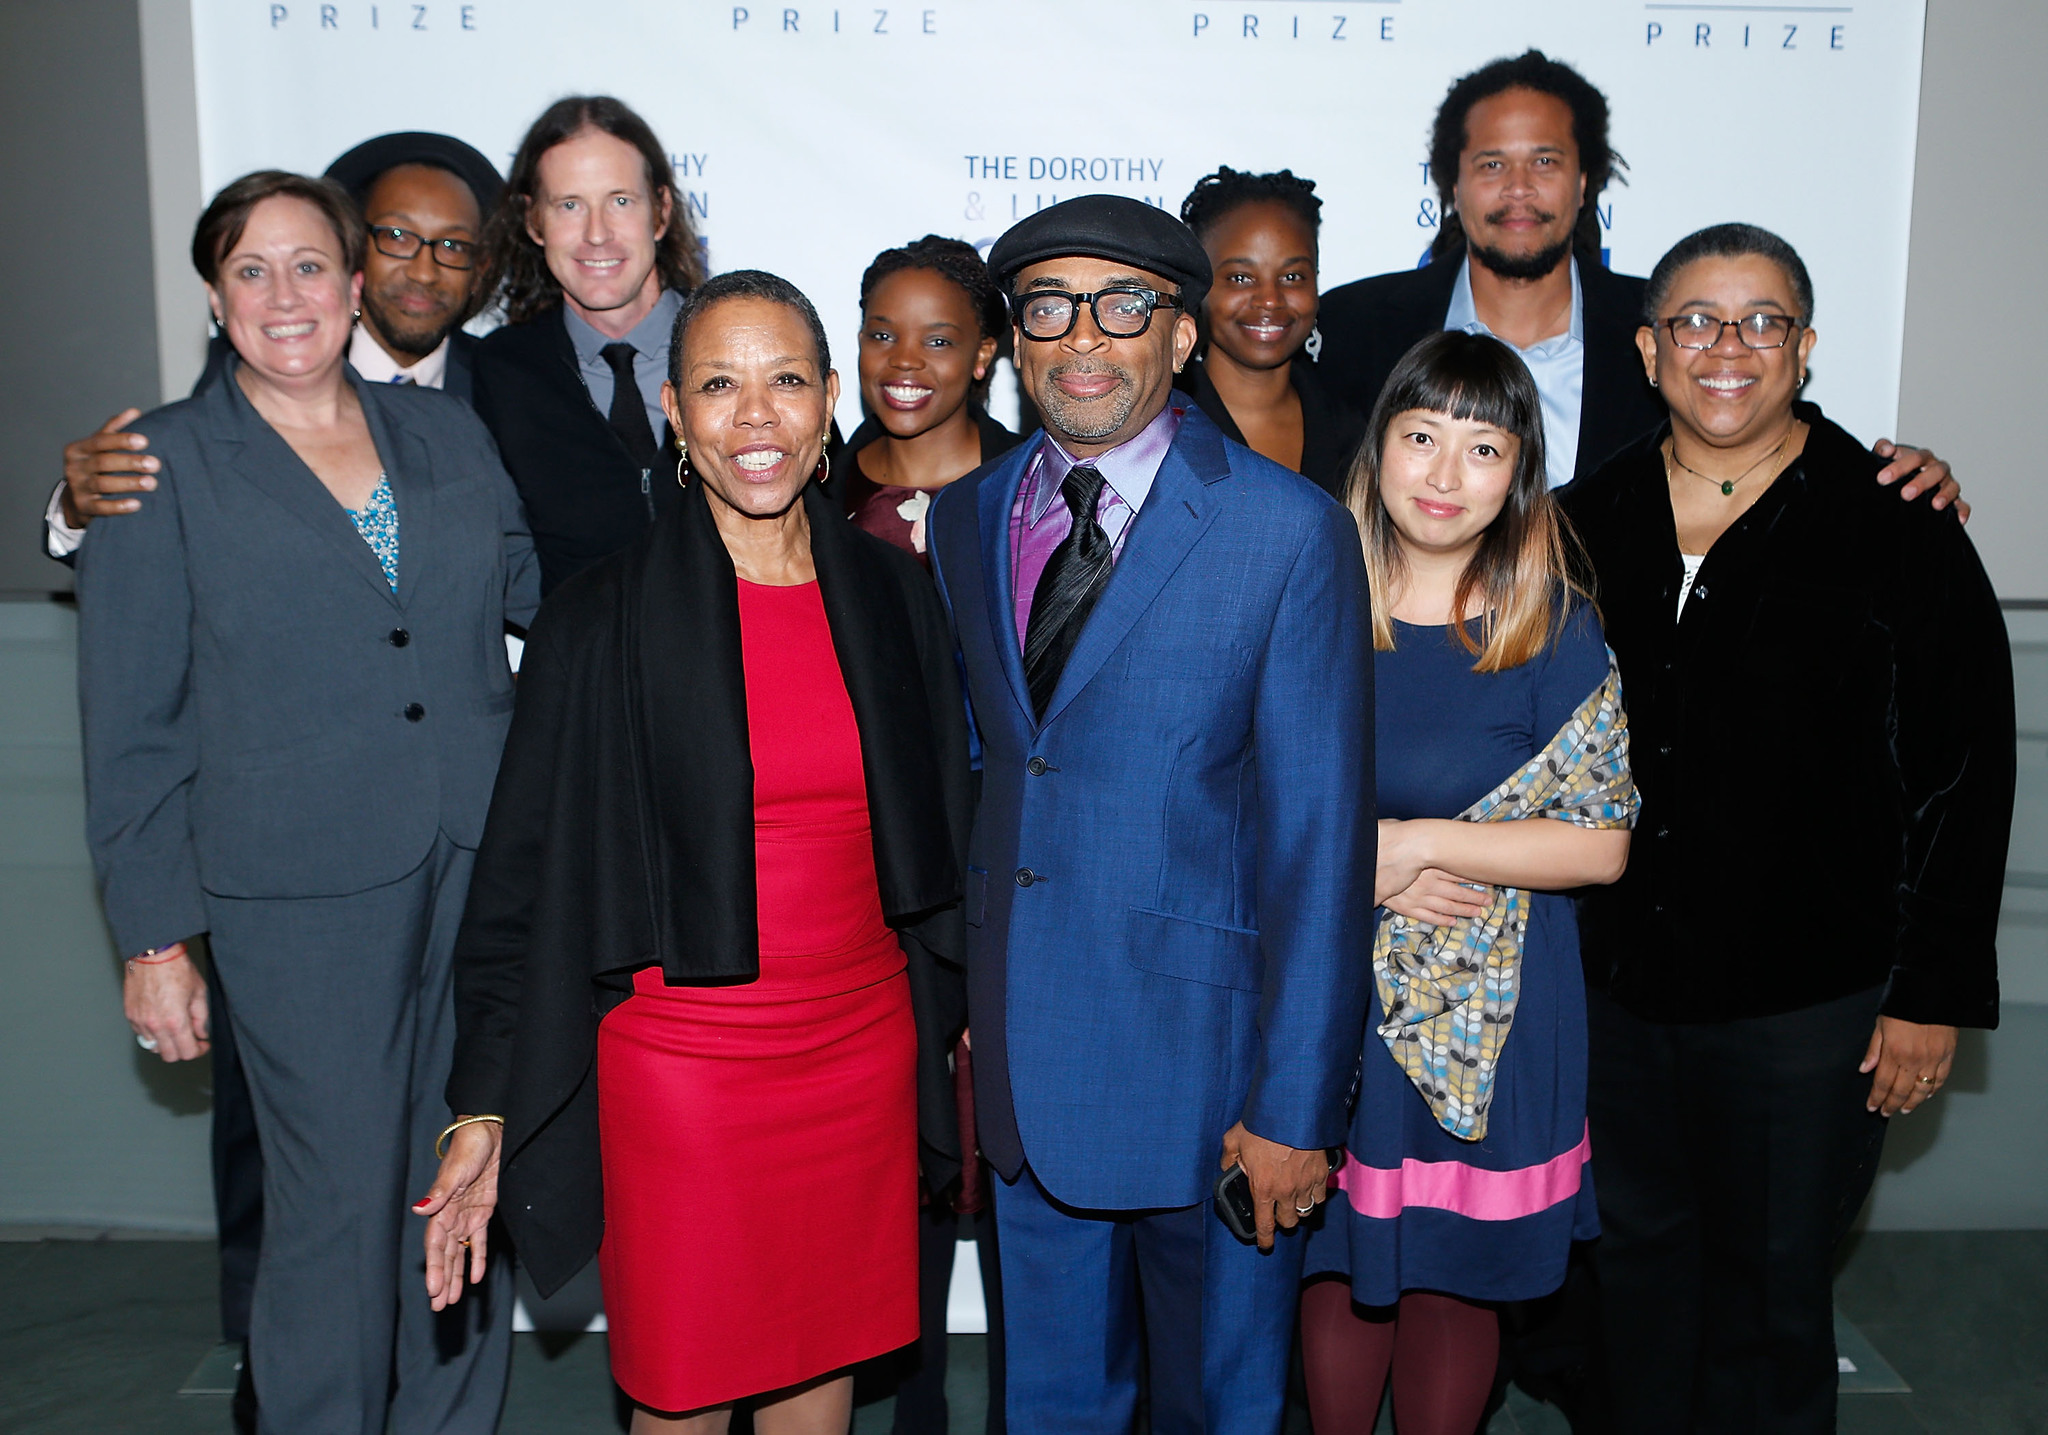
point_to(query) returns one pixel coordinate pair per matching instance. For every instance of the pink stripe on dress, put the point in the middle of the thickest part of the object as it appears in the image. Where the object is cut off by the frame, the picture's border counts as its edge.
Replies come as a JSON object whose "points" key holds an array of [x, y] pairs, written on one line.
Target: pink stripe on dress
{"points": [[1464, 1190]]}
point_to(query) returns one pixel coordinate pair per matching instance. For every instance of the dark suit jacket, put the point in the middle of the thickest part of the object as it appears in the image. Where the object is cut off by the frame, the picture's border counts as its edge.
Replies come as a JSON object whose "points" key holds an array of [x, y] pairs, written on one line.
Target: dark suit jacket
{"points": [[585, 496], [621, 835], [1331, 425], [1369, 324], [263, 715], [1169, 890], [457, 384]]}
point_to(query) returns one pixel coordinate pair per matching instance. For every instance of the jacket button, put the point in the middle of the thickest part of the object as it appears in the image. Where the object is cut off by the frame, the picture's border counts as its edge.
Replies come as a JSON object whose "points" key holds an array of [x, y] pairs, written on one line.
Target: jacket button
{"points": [[414, 712], [1025, 876], [398, 637], [1037, 766]]}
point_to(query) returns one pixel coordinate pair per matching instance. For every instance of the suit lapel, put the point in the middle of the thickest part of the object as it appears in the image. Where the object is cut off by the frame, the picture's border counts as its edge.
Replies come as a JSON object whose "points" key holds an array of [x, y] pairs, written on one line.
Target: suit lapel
{"points": [[1177, 511], [265, 461], [408, 466], [995, 497]]}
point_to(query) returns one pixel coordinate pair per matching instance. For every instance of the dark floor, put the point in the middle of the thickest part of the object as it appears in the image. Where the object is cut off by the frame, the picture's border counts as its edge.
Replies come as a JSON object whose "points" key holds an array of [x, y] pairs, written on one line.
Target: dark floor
{"points": [[99, 1335]]}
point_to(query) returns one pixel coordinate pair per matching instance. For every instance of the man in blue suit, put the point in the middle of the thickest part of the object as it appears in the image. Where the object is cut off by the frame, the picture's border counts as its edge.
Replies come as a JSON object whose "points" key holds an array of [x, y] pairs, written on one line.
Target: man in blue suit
{"points": [[1168, 648]]}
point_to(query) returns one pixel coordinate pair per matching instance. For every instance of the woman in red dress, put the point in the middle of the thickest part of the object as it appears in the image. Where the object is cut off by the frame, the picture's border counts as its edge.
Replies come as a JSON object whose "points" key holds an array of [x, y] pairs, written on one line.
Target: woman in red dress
{"points": [[708, 974]]}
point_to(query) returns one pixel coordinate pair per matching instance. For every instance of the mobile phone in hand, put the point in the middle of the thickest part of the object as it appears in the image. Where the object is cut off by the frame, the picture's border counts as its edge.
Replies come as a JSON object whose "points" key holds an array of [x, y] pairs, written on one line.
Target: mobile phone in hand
{"points": [[1234, 1198]]}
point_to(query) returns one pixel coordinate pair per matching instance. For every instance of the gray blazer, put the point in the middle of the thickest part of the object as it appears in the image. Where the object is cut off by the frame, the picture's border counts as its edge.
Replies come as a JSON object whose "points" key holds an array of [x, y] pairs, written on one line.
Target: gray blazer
{"points": [[263, 716]]}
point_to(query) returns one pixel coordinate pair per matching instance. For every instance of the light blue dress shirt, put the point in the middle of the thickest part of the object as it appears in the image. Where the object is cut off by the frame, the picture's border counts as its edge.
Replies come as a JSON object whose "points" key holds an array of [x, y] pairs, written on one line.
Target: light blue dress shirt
{"points": [[649, 339], [1557, 364]]}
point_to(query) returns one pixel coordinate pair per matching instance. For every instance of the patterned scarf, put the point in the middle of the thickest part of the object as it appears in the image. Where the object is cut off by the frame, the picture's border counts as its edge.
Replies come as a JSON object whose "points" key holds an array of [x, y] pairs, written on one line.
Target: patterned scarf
{"points": [[1450, 992]]}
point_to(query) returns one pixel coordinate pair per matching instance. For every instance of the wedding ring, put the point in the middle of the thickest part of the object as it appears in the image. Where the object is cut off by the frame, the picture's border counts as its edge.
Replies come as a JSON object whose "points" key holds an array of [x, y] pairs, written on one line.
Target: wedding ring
{"points": [[1927, 1081], [1308, 1210], [147, 1043]]}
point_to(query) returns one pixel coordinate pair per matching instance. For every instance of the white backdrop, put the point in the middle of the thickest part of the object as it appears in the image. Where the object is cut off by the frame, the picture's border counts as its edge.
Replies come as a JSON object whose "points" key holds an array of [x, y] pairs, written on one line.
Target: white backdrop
{"points": [[808, 136]]}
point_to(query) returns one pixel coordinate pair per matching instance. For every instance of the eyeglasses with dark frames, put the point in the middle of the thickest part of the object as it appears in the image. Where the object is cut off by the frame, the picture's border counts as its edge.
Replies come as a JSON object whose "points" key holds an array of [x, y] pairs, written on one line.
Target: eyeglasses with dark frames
{"points": [[1121, 313], [1756, 331], [404, 244]]}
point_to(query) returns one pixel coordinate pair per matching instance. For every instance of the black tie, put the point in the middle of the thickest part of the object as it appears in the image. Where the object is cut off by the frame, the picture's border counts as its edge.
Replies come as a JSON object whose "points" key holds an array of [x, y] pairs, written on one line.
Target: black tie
{"points": [[629, 411], [1074, 578]]}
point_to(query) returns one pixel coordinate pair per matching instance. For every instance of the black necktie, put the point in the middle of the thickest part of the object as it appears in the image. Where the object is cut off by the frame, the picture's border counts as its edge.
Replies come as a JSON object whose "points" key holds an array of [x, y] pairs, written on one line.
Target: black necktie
{"points": [[629, 411], [1074, 578]]}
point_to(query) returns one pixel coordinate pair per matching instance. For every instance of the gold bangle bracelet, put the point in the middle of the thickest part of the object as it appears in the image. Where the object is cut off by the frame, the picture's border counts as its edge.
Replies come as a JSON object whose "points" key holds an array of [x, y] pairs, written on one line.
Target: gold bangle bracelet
{"points": [[441, 1141]]}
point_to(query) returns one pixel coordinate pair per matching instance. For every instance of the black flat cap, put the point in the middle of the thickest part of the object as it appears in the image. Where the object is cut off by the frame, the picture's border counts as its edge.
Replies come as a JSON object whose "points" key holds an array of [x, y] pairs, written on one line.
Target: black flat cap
{"points": [[362, 166], [1107, 226]]}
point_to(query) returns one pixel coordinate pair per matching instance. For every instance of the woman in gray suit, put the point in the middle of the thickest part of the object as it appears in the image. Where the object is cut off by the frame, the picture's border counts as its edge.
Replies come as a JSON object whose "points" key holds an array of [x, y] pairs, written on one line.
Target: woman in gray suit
{"points": [[294, 689]]}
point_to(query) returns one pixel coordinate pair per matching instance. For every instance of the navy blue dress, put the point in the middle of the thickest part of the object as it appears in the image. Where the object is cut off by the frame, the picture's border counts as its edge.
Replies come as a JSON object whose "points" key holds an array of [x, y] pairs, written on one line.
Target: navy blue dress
{"points": [[1417, 1208]]}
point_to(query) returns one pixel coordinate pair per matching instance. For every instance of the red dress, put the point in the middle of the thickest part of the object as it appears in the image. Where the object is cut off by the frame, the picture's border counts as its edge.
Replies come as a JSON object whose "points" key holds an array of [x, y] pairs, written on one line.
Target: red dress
{"points": [[760, 1141]]}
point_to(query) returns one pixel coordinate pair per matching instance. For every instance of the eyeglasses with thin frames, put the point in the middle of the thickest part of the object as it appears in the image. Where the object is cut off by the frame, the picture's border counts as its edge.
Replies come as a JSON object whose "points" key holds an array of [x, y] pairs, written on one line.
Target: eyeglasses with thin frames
{"points": [[1123, 313], [404, 244], [1756, 331]]}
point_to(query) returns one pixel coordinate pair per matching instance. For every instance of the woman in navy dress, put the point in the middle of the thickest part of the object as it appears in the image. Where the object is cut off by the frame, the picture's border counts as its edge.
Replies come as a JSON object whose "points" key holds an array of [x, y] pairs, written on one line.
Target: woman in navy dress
{"points": [[1463, 1190]]}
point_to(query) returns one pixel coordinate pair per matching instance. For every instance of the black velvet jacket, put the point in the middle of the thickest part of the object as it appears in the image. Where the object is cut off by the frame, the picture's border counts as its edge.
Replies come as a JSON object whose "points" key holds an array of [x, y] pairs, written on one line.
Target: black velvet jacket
{"points": [[1331, 426], [621, 835], [1824, 747]]}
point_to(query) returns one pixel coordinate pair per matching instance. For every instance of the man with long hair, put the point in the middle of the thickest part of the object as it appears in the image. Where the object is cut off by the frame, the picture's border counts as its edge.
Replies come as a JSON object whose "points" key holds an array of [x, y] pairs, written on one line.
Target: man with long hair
{"points": [[592, 250], [1519, 155]]}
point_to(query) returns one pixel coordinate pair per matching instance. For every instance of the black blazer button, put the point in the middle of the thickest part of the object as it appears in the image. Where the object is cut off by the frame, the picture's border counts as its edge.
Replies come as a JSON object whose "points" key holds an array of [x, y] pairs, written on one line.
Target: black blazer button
{"points": [[414, 712], [1025, 876], [1037, 766], [398, 637]]}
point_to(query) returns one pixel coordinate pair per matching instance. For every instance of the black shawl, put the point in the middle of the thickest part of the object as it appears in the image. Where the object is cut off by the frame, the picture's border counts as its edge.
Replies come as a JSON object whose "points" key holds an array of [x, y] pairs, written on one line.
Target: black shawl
{"points": [[621, 835]]}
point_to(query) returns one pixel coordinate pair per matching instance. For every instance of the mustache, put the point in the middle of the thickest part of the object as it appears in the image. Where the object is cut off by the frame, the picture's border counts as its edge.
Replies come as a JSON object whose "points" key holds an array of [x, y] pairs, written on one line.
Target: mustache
{"points": [[1086, 368], [1508, 211]]}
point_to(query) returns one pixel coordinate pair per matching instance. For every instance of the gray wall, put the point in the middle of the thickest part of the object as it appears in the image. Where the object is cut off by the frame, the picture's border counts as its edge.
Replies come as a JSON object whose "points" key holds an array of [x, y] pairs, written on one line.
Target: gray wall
{"points": [[94, 1133], [1976, 309], [77, 316]]}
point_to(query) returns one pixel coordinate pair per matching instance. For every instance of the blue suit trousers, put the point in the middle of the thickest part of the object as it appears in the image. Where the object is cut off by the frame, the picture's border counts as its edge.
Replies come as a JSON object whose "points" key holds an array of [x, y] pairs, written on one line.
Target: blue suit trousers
{"points": [[1217, 1325]]}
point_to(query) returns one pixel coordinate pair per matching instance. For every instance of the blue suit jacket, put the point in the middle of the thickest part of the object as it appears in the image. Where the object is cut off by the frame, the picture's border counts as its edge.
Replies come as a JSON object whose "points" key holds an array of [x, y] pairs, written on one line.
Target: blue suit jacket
{"points": [[1170, 880]]}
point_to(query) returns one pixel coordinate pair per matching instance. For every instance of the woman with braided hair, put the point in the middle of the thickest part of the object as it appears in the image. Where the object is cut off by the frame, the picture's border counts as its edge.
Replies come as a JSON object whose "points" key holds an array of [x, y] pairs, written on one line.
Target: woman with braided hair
{"points": [[1255, 375], [930, 321]]}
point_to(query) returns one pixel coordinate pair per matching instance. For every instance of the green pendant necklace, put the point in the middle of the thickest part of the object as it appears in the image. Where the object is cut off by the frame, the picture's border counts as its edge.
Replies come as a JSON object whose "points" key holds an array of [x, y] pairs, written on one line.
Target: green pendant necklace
{"points": [[1727, 485]]}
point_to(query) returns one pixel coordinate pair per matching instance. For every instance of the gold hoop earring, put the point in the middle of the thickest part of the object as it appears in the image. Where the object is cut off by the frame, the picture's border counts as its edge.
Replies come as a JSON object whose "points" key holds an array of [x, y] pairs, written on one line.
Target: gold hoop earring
{"points": [[682, 463], [824, 473]]}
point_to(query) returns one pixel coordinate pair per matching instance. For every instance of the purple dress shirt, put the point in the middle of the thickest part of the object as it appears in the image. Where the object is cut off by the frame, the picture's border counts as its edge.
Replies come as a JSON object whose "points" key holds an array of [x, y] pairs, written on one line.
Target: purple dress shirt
{"points": [[1039, 520]]}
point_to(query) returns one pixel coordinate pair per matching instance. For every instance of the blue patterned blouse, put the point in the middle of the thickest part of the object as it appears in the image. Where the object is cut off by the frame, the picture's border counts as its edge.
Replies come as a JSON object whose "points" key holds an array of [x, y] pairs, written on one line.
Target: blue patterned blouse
{"points": [[377, 521]]}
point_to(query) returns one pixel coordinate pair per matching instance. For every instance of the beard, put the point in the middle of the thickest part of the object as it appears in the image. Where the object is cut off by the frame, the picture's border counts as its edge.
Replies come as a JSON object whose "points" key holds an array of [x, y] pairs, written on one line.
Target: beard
{"points": [[418, 335], [1087, 419], [1532, 265]]}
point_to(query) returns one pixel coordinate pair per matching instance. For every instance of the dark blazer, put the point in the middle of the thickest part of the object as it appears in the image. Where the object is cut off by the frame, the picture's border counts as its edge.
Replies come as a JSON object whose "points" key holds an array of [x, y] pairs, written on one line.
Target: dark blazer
{"points": [[263, 716], [1331, 425], [585, 496], [1369, 324], [621, 836], [461, 361], [1824, 746], [1169, 889]]}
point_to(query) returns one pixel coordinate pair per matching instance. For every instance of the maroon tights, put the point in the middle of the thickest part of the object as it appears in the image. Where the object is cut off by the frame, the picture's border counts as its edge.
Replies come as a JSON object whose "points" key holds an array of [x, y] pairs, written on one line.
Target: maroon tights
{"points": [[1441, 1352]]}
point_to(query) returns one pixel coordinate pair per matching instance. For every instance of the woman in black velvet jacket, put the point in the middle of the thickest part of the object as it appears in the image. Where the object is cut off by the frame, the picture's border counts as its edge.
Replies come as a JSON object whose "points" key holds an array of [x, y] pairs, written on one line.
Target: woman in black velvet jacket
{"points": [[1821, 706]]}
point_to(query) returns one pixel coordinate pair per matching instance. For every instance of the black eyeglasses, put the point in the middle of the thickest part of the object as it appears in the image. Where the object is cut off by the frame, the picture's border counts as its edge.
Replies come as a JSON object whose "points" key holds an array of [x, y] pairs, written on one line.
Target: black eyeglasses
{"points": [[1756, 331], [1048, 314], [404, 244]]}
